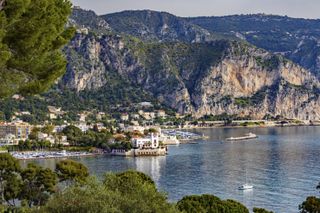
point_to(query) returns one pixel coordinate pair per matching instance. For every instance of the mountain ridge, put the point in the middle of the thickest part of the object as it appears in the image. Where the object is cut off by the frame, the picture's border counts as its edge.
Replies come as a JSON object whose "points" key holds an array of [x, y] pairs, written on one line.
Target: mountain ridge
{"points": [[202, 77], [180, 74], [295, 38]]}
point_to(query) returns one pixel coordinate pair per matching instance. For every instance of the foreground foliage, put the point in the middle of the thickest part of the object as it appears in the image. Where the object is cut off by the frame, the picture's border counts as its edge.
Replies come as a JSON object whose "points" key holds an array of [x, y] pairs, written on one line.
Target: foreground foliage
{"points": [[34, 185], [36, 189], [123, 192], [209, 204], [31, 36]]}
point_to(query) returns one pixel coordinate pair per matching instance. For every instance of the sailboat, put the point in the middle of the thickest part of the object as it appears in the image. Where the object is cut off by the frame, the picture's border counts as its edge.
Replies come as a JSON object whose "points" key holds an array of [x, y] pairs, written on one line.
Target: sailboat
{"points": [[245, 186]]}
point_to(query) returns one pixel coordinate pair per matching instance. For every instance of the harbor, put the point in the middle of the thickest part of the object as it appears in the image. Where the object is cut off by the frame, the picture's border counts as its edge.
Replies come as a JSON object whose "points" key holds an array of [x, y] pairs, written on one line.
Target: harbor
{"points": [[183, 135], [49, 154]]}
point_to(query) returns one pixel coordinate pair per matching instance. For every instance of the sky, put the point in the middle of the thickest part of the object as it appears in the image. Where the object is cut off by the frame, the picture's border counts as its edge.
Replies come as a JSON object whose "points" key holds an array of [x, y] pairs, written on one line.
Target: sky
{"points": [[292, 8]]}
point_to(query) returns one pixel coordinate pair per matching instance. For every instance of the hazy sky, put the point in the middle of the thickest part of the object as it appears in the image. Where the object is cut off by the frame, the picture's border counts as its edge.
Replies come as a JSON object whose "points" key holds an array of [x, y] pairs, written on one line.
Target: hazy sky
{"points": [[293, 8]]}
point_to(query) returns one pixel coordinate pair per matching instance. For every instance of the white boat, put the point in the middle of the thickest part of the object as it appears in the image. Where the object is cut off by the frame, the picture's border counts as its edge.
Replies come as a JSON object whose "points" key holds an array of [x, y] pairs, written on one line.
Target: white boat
{"points": [[245, 187], [245, 137]]}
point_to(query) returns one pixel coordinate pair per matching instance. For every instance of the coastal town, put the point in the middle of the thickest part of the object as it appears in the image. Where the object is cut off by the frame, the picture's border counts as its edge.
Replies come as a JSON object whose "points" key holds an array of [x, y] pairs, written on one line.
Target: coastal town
{"points": [[144, 132], [134, 134]]}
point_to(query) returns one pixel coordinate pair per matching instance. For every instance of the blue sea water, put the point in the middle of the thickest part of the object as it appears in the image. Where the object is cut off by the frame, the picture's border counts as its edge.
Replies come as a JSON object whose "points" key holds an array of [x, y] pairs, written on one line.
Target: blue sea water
{"points": [[283, 165]]}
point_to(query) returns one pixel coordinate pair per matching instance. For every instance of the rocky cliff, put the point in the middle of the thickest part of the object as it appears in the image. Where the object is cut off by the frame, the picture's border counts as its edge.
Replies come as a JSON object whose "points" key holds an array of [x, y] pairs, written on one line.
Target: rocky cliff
{"points": [[295, 38], [200, 78]]}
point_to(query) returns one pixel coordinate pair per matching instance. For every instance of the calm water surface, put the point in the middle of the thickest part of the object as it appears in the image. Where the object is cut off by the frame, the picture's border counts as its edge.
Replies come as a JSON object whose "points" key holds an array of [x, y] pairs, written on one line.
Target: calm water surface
{"points": [[282, 164]]}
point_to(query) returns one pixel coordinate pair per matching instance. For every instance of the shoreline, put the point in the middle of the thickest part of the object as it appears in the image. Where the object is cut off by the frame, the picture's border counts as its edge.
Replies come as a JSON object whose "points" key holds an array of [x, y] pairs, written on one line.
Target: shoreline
{"points": [[42, 155], [249, 126], [27, 155]]}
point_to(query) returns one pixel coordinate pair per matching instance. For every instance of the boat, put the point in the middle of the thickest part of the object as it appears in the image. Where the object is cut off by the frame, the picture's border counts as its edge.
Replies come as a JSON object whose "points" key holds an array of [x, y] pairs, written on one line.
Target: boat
{"points": [[245, 187], [245, 137]]}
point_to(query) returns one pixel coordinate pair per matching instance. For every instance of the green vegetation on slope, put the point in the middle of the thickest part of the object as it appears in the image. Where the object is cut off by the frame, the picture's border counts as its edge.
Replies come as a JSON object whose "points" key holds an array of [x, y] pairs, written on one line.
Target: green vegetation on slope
{"points": [[295, 38], [178, 61]]}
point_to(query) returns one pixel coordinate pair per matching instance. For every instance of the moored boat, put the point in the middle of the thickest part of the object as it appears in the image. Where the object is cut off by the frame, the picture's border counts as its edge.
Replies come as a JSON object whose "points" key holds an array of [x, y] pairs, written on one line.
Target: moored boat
{"points": [[245, 137]]}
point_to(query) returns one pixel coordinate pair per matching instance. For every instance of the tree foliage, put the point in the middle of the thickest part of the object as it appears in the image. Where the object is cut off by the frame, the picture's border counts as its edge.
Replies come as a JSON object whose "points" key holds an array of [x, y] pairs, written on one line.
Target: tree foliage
{"points": [[124, 192], [310, 205], [209, 204], [9, 169], [260, 210], [32, 33], [38, 184], [71, 171]]}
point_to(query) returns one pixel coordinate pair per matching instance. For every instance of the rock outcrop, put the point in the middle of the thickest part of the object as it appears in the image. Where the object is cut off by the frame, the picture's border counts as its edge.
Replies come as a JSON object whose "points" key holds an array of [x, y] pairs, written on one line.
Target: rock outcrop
{"points": [[199, 78]]}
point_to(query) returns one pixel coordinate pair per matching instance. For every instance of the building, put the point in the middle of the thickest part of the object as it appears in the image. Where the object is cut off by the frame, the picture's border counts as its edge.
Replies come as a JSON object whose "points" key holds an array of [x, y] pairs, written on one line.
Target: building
{"points": [[19, 130], [83, 30], [18, 97], [22, 113], [169, 139], [83, 126], [150, 142], [135, 123], [9, 140], [100, 115], [161, 114], [83, 116], [145, 104], [59, 128], [124, 117], [146, 115], [134, 128], [54, 112], [46, 137], [135, 116], [152, 115]]}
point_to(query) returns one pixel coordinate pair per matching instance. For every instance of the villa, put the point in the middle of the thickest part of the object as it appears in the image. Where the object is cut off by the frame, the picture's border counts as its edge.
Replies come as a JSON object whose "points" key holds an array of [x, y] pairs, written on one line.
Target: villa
{"points": [[150, 142]]}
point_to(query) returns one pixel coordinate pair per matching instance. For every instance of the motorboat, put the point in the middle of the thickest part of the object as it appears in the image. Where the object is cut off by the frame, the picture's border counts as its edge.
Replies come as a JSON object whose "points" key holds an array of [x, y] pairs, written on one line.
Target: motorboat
{"points": [[245, 187], [245, 137]]}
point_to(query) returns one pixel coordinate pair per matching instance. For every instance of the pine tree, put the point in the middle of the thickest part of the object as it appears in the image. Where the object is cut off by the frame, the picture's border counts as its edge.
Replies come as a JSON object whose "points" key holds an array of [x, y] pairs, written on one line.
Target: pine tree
{"points": [[32, 34]]}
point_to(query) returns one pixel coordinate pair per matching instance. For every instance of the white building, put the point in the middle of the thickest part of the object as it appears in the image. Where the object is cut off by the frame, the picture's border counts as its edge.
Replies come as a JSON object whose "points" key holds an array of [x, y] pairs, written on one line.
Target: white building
{"points": [[59, 128], [83, 30], [134, 128], [55, 112], [145, 104], [135, 123], [124, 117], [83, 127], [46, 137], [9, 140], [161, 113], [135, 116], [169, 139], [150, 142]]}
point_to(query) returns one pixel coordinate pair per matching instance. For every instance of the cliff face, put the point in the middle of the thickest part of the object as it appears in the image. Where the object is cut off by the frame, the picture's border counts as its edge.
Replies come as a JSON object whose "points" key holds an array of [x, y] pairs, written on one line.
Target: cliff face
{"points": [[257, 84], [295, 38], [200, 78]]}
